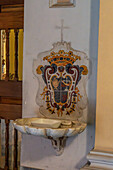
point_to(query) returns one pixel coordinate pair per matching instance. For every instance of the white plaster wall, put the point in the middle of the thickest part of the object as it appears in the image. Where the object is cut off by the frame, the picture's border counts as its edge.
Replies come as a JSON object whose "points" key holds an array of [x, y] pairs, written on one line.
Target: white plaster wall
{"points": [[39, 35]]}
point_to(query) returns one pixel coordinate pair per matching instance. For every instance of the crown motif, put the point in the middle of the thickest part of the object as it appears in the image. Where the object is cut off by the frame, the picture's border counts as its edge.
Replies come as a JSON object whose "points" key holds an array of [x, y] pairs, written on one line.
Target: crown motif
{"points": [[62, 58]]}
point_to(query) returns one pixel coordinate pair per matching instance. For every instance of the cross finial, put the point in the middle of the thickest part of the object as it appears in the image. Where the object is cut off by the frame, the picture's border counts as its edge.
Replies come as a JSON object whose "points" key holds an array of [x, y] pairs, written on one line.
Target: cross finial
{"points": [[62, 29]]}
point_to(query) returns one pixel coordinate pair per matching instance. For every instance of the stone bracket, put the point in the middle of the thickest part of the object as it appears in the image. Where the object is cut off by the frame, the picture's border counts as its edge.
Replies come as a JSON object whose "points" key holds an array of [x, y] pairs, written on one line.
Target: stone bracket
{"points": [[58, 144]]}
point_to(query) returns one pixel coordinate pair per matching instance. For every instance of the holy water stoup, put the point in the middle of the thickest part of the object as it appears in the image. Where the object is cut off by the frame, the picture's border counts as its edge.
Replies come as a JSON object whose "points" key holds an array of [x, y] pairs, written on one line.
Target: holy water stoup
{"points": [[62, 74]]}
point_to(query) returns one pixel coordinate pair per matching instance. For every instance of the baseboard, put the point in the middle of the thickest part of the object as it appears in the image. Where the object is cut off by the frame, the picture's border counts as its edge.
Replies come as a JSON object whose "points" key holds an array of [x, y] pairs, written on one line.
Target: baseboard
{"points": [[99, 160]]}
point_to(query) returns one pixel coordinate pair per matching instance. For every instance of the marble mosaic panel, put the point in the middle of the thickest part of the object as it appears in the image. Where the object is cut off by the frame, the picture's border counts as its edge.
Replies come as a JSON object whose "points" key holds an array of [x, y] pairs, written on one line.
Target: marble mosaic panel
{"points": [[62, 74]]}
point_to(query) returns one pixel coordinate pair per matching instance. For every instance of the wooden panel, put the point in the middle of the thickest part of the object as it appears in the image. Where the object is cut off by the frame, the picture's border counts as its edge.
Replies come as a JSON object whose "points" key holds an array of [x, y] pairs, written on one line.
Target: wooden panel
{"points": [[10, 100], [15, 149], [11, 88], [11, 20], [11, 2], [7, 144], [0, 55], [11, 112], [12, 8]]}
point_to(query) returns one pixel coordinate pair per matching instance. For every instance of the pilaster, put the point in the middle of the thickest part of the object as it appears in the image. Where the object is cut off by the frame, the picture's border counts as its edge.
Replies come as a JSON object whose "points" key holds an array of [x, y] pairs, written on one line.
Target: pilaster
{"points": [[102, 155]]}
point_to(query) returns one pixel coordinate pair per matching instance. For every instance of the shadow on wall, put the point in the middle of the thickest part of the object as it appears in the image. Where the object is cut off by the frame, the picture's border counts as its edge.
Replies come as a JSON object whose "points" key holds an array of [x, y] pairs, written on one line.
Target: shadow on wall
{"points": [[92, 83]]}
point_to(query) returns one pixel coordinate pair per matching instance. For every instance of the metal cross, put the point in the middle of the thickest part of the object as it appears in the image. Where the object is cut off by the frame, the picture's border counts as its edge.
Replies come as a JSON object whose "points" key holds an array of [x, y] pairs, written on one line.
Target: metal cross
{"points": [[62, 29]]}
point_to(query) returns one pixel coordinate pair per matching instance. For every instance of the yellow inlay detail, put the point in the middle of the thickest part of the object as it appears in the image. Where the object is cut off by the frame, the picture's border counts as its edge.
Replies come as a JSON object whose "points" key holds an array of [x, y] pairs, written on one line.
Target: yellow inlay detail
{"points": [[62, 58], [85, 71], [38, 70]]}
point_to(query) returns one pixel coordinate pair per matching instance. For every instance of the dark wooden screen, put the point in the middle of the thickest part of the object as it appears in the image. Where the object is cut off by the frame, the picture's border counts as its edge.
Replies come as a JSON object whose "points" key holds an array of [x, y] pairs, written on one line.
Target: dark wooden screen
{"points": [[11, 90]]}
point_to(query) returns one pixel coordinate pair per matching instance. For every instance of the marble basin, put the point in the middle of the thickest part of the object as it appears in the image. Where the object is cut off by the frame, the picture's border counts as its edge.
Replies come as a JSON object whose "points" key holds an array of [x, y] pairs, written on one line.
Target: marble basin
{"points": [[56, 130], [46, 123], [49, 127]]}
